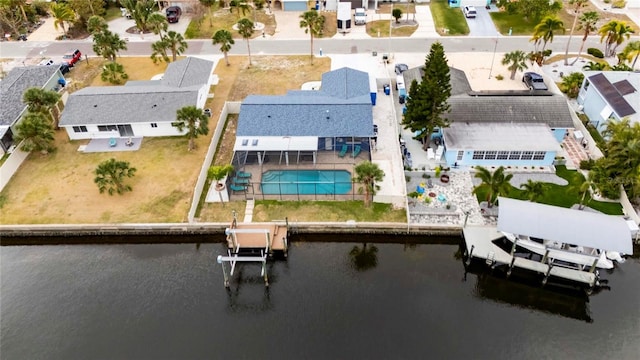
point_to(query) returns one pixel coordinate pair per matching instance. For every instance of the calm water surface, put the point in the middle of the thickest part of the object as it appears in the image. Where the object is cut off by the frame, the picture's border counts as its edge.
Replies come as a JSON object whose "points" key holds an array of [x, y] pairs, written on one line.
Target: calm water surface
{"points": [[168, 302]]}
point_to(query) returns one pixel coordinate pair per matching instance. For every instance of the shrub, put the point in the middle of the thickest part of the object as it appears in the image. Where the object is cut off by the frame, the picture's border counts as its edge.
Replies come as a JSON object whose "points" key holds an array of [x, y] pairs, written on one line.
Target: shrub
{"points": [[407, 178], [413, 194], [587, 164], [619, 4], [595, 53], [499, 77]]}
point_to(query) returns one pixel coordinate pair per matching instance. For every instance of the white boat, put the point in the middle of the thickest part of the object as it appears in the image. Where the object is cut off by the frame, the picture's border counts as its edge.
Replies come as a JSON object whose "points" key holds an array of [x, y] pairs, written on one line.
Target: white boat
{"points": [[565, 237]]}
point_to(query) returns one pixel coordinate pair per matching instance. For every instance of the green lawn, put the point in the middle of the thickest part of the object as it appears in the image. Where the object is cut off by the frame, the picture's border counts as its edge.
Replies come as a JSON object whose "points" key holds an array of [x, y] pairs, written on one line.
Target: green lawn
{"points": [[515, 22], [448, 18], [326, 211], [113, 12], [564, 196]]}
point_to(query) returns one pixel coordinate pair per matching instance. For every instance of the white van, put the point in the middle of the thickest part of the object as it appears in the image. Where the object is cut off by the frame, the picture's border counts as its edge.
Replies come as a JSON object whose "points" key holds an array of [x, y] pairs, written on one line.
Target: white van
{"points": [[360, 16], [344, 17], [469, 11]]}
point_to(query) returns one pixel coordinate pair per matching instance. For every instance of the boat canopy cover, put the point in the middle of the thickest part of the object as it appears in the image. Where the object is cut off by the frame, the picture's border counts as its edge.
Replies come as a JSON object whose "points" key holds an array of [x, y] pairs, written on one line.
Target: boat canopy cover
{"points": [[582, 228]]}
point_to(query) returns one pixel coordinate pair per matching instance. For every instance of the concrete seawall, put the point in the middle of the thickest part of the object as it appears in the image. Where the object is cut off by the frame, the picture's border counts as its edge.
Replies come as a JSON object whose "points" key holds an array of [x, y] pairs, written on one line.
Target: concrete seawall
{"points": [[124, 233]]}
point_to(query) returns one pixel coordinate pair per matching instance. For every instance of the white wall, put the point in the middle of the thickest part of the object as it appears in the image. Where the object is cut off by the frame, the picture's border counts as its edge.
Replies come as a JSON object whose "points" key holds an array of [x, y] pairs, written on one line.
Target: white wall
{"points": [[11, 165], [139, 129]]}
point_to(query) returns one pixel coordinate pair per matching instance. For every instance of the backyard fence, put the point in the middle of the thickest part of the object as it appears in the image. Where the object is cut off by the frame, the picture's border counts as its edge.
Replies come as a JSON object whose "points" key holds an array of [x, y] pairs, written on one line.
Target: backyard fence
{"points": [[11, 165]]}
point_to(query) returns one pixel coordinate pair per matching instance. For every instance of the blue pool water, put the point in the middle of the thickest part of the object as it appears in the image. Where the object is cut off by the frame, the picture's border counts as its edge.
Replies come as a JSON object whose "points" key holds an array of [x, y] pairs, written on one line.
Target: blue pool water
{"points": [[306, 182]]}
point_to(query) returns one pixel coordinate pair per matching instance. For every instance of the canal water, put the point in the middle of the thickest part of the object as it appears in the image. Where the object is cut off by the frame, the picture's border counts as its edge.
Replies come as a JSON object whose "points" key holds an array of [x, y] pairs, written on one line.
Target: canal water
{"points": [[326, 301]]}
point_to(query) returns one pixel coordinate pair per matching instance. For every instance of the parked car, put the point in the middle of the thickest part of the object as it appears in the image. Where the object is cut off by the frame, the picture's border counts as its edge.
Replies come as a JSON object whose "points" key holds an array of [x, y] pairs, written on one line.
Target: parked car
{"points": [[469, 11], [534, 81], [46, 62], [400, 68], [72, 57], [173, 14], [64, 68], [360, 16]]}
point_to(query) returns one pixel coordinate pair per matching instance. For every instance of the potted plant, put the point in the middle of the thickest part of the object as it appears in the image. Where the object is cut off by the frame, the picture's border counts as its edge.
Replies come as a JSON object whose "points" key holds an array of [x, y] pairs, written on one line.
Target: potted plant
{"points": [[217, 173]]}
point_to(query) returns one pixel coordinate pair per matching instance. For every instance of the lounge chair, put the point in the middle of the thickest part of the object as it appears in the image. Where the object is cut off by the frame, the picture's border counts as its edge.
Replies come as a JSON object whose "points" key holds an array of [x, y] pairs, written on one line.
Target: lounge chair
{"points": [[237, 181], [343, 151], [243, 175], [113, 142], [356, 150], [235, 187]]}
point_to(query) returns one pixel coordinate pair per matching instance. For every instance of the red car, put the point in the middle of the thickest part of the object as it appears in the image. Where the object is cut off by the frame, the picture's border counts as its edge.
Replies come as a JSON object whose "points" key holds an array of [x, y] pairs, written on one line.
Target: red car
{"points": [[173, 14], [72, 57]]}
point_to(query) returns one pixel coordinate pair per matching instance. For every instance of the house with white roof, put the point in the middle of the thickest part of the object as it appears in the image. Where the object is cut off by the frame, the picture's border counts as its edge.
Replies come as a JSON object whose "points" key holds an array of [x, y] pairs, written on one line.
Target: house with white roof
{"points": [[289, 128], [12, 88], [608, 95], [138, 108]]}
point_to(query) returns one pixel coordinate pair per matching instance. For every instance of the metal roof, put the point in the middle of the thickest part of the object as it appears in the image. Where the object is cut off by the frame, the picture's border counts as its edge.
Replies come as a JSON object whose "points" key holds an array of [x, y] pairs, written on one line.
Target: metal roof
{"points": [[563, 225], [341, 108], [13, 86], [500, 137], [551, 110], [612, 95]]}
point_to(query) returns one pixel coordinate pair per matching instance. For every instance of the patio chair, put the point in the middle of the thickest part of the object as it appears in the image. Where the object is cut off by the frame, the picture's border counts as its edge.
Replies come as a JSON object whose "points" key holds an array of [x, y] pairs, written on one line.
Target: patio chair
{"points": [[113, 142], [243, 175], [343, 151], [235, 187], [237, 181], [356, 150]]}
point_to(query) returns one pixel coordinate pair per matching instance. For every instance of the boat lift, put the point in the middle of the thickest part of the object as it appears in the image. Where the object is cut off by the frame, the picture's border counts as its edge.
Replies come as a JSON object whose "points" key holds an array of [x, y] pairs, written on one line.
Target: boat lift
{"points": [[234, 257]]}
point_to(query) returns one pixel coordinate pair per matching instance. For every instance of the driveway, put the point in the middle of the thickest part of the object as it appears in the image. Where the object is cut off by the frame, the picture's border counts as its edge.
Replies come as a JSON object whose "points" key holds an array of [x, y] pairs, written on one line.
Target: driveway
{"points": [[482, 25]]}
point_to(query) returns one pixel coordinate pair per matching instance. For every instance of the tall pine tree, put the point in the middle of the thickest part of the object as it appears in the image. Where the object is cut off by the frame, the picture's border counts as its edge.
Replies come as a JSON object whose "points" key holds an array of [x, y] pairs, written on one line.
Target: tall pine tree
{"points": [[427, 104]]}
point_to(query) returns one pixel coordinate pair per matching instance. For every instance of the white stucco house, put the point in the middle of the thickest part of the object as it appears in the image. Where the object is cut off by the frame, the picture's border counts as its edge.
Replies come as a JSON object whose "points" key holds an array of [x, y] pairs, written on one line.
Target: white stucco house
{"points": [[608, 95], [138, 108]]}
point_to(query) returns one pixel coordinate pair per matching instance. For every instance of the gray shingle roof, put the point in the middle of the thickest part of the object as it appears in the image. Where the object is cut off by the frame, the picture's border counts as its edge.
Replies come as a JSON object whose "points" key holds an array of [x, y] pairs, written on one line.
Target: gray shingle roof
{"points": [[459, 82], [188, 72], [17, 81], [342, 107], [551, 110], [139, 101], [126, 104]]}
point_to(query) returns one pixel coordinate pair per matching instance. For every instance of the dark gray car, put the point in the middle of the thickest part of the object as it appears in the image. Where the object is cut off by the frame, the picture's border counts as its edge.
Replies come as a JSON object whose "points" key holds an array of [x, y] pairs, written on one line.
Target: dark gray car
{"points": [[534, 81]]}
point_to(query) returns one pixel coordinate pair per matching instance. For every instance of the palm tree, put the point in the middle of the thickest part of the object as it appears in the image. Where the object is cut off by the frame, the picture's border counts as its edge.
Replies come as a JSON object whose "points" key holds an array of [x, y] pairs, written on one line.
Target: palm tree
{"points": [[114, 73], [217, 173], [209, 4], [583, 188], [175, 43], [533, 190], [615, 32], [62, 14], [96, 24], [159, 51], [367, 174], [225, 40], [157, 23], [632, 52], [547, 28], [108, 44], [596, 66], [577, 7], [110, 176], [588, 23], [245, 28], [516, 61], [194, 120], [364, 258], [571, 84], [41, 101], [313, 23], [495, 184], [35, 133], [140, 11]]}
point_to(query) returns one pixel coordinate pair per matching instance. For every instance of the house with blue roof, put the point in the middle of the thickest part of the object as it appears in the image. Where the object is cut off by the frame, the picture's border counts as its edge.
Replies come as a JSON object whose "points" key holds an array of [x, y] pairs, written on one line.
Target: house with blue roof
{"points": [[297, 126]]}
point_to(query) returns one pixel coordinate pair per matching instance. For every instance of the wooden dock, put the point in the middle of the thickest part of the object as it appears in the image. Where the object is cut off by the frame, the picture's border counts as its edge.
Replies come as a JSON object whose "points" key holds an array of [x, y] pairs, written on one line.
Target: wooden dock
{"points": [[271, 236]]}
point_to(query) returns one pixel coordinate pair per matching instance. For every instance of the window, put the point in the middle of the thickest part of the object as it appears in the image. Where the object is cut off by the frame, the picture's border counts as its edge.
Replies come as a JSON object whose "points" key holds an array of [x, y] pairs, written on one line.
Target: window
{"points": [[79, 129], [539, 155], [490, 155], [503, 155], [154, 125], [460, 155], [514, 155], [254, 142], [586, 84], [478, 155], [107, 128], [527, 155], [245, 142]]}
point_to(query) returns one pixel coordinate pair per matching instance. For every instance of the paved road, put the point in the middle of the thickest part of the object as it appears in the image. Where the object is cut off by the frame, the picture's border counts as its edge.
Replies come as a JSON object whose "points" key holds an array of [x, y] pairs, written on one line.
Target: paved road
{"points": [[21, 49]]}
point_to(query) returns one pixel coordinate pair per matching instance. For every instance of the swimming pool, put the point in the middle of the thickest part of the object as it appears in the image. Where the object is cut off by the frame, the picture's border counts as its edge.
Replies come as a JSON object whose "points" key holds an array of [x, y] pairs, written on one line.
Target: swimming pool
{"points": [[306, 182]]}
